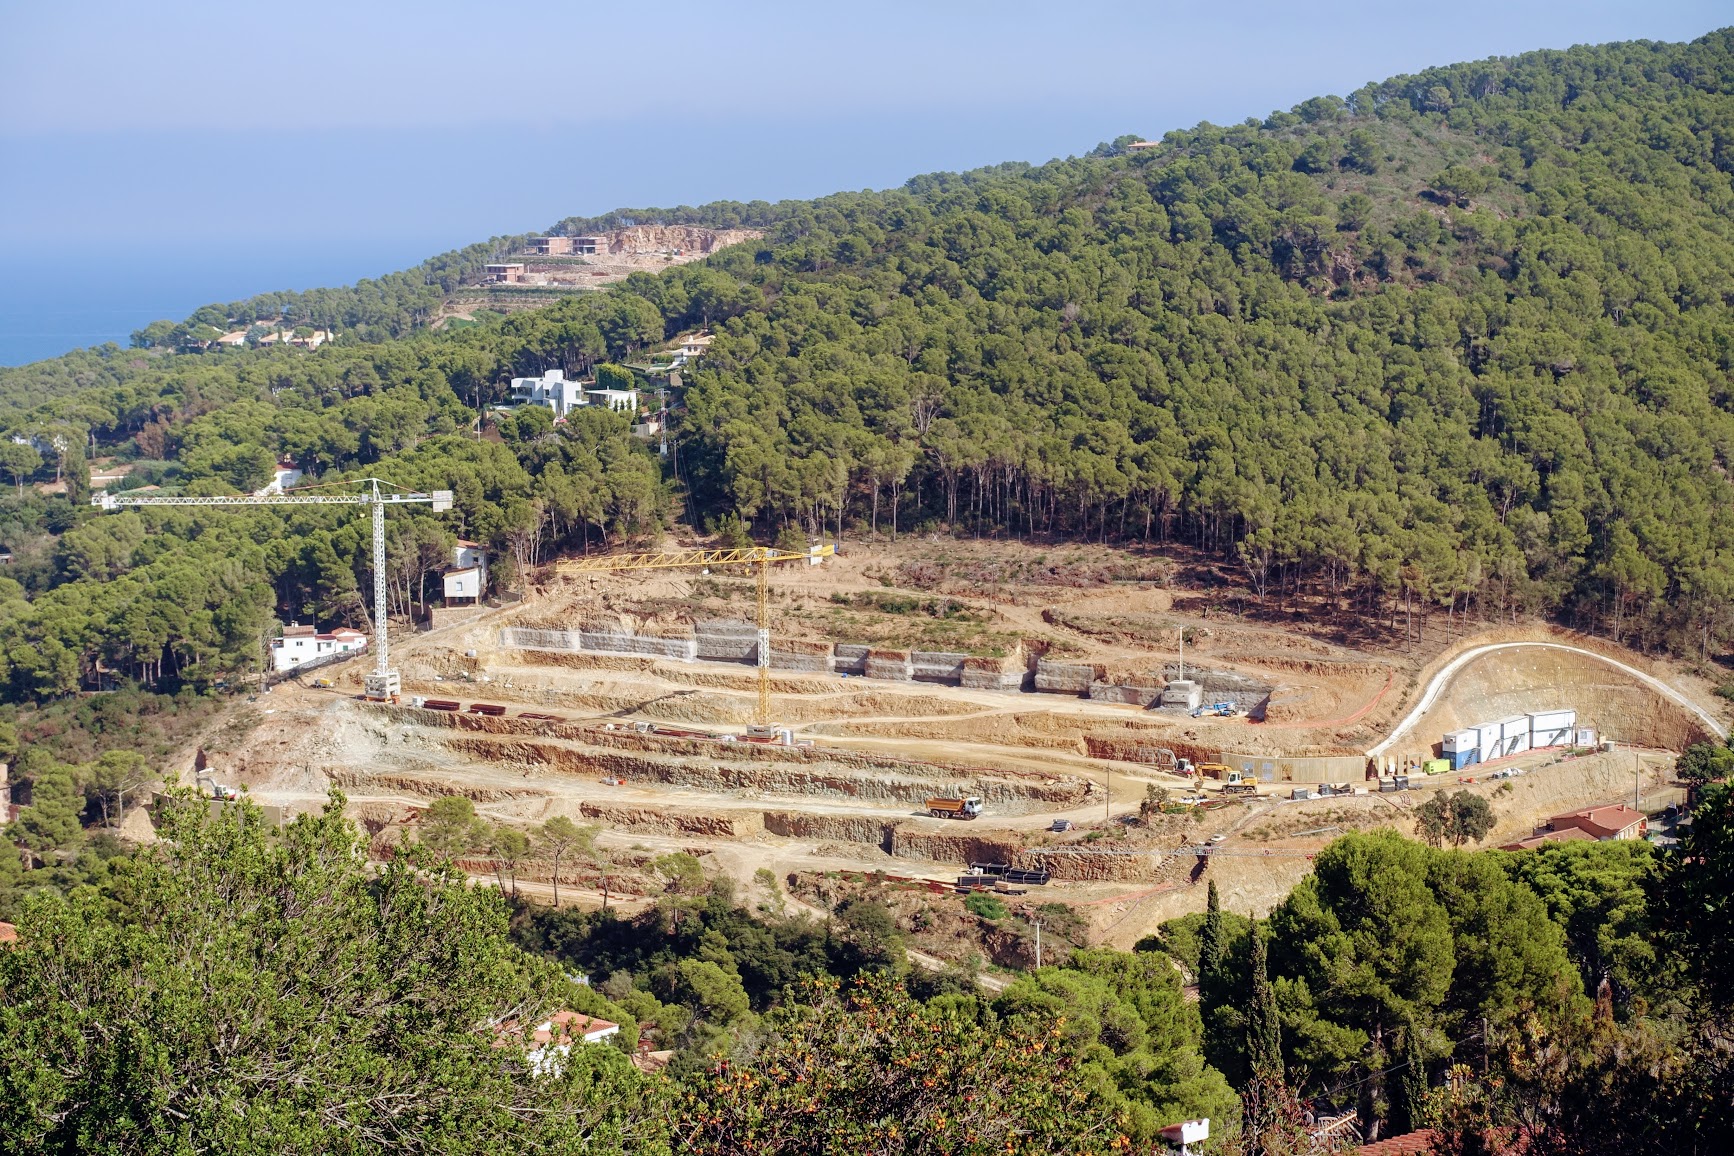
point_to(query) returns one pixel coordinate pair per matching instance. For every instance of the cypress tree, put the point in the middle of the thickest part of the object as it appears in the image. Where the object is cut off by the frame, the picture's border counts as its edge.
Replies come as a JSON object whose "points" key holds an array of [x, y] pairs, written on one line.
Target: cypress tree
{"points": [[1263, 1027], [1409, 1105], [1210, 942]]}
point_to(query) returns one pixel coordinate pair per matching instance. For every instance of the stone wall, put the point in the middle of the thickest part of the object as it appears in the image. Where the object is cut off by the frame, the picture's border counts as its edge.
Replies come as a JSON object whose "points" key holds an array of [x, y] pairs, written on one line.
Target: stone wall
{"points": [[1056, 677], [614, 640], [892, 665], [722, 640], [937, 666], [849, 658], [981, 673], [792, 654], [1132, 695]]}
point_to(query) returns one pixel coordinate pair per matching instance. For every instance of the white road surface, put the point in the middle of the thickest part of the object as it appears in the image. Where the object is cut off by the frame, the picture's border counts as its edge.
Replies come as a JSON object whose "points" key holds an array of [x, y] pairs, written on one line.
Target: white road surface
{"points": [[1437, 686]]}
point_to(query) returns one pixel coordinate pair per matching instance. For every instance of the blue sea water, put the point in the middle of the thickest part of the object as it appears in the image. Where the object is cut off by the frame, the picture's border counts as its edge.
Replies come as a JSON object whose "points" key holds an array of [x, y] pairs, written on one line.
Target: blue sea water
{"points": [[63, 297]]}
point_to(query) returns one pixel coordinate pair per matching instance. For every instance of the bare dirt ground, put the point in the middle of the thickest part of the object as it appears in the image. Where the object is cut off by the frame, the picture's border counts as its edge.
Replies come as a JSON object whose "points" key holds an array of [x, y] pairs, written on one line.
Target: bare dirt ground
{"points": [[853, 801]]}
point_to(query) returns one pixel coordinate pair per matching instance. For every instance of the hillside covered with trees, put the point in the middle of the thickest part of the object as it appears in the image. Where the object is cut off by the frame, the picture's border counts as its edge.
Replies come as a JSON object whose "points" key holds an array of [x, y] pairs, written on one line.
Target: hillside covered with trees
{"points": [[241, 989], [1460, 340]]}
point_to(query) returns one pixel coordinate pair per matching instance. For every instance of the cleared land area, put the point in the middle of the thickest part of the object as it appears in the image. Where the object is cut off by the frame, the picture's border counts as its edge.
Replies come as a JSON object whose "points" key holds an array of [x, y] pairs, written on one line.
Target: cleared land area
{"points": [[637, 747]]}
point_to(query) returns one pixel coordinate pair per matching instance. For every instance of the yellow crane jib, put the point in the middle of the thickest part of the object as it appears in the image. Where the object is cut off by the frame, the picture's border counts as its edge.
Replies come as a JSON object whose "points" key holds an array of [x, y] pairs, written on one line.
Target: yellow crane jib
{"points": [[761, 556]]}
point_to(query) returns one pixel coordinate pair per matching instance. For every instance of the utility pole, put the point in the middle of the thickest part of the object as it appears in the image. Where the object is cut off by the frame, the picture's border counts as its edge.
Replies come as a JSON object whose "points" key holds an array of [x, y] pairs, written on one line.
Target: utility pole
{"points": [[1038, 925], [1182, 655]]}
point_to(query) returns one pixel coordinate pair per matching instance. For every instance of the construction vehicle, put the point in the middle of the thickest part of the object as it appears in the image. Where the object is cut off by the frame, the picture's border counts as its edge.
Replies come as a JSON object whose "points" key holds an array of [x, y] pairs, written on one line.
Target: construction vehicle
{"points": [[384, 684], [958, 808], [1240, 788], [762, 556], [1217, 771], [323, 683]]}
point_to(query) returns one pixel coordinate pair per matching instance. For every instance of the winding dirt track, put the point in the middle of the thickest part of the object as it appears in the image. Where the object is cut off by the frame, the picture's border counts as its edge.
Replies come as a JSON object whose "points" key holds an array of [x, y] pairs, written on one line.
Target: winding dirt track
{"points": [[1437, 685]]}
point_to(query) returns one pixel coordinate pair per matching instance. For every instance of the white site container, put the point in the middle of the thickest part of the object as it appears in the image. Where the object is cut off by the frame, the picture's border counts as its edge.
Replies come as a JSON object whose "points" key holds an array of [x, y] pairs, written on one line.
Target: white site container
{"points": [[1585, 737], [1510, 731], [1457, 742], [1489, 740], [1552, 728]]}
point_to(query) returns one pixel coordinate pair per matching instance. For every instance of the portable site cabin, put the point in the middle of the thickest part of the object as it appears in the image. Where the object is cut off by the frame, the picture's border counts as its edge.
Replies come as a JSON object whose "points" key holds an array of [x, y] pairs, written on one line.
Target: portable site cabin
{"points": [[1462, 748], [1552, 728], [1489, 741], [1514, 735]]}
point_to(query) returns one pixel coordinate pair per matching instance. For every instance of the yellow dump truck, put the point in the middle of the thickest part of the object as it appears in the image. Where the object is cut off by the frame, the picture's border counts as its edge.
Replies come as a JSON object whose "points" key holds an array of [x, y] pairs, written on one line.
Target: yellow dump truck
{"points": [[967, 808]]}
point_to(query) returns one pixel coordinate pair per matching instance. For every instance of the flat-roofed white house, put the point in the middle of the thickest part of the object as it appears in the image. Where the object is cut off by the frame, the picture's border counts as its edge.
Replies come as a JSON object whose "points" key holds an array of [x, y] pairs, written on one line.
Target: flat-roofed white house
{"points": [[301, 645], [553, 389]]}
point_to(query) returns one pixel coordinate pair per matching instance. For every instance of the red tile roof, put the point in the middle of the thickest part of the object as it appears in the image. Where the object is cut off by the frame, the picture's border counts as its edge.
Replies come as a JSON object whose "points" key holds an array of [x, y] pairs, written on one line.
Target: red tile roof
{"points": [[1407, 1143], [1568, 835], [561, 1026], [1602, 822]]}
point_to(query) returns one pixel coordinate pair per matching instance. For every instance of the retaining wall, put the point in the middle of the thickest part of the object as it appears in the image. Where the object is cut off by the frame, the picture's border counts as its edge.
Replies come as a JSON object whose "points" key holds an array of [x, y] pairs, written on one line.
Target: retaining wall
{"points": [[937, 666], [612, 640], [892, 665], [1131, 695], [851, 828], [981, 673], [1305, 769], [849, 658], [1067, 677], [722, 640]]}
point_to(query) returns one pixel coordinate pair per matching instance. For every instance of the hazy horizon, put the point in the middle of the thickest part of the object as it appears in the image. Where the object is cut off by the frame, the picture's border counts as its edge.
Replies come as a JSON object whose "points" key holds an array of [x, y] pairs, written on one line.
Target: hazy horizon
{"points": [[184, 170]]}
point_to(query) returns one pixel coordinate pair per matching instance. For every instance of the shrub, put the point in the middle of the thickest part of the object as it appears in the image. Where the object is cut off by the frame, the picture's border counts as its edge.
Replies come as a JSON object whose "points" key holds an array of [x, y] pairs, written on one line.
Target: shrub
{"points": [[986, 906]]}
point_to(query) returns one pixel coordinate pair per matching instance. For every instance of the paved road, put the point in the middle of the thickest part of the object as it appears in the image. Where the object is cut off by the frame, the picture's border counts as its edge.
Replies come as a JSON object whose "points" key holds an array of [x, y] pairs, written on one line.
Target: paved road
{"points": [[1450, 669]]}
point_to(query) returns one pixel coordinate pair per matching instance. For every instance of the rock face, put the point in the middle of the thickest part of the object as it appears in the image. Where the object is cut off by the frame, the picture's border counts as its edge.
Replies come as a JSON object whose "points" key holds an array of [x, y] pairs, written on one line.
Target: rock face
{"points": [[675, 820], [685, 239]]}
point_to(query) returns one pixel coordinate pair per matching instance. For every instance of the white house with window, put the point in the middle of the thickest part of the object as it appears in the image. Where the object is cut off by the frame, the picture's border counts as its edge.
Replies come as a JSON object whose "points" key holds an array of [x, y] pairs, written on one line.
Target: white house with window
{"points": [[301, 645], [466, 579], [553, 389]]}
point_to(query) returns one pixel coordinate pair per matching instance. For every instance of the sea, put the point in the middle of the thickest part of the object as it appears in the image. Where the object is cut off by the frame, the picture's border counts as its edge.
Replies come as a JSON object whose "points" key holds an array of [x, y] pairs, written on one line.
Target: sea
{"points": [[54, 299]]}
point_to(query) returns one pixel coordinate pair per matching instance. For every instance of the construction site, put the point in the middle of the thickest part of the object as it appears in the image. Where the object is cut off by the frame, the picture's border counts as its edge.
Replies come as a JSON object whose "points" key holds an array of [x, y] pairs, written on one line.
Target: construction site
{"points": [[552, 266], [1067, 727]]}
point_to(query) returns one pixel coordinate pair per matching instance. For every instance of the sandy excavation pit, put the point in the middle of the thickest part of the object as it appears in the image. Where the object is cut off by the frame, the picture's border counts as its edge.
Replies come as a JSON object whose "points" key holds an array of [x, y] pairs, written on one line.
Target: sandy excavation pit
{"points": [[882, 746]]}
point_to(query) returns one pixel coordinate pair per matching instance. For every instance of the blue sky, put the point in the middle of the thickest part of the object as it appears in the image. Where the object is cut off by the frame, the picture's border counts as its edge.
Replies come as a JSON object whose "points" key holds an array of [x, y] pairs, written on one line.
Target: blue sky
{"points": [[278, 147]]}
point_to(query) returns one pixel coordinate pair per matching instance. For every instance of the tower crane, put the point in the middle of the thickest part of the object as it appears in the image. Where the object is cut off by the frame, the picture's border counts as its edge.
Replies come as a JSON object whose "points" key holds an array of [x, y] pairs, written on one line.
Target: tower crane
{"points": [[761, 556], [383, 684]]}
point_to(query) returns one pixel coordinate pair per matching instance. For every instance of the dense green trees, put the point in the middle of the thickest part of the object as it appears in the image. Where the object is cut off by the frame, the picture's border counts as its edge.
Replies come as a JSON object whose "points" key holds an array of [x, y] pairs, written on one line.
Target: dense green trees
{"points": [[244, 993], [1457, 342]]}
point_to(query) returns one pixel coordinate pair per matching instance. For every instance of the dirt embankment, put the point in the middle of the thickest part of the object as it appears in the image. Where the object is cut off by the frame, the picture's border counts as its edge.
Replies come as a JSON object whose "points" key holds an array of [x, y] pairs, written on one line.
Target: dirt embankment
{"points": [[703, 822], [743, 767]]}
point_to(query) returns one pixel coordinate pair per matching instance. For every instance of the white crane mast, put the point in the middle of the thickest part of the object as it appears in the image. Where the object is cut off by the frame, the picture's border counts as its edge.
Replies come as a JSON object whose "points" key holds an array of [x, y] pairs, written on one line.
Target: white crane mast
{"points": [[384, 683]]}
